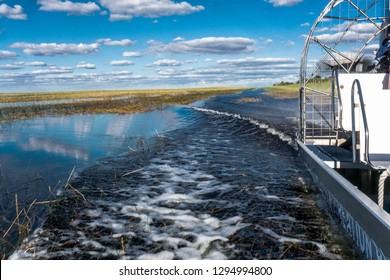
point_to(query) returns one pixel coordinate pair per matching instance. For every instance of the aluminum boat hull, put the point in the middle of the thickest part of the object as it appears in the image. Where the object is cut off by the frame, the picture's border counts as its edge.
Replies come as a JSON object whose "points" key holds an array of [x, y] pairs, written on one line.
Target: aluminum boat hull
{"points": [[366, 223]]}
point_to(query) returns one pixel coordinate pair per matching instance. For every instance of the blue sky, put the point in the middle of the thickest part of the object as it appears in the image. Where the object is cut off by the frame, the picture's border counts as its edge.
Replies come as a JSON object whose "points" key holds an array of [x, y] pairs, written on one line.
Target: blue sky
{"points": [[48, 45]]}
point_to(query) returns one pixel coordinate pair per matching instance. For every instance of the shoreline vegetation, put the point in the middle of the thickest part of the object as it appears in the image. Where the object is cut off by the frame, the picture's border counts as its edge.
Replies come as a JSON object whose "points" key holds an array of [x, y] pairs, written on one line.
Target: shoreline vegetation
{"points": [[104, 102], [35, 104], [291, 90], [283, 90]]}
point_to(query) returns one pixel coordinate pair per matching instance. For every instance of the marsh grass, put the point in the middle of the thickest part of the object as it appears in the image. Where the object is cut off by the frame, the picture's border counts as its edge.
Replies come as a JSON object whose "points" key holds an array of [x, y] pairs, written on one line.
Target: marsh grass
{"points": [[292, 90], [20, 227], [83, 102], [28, 215], [283, 91], [73, 95]]}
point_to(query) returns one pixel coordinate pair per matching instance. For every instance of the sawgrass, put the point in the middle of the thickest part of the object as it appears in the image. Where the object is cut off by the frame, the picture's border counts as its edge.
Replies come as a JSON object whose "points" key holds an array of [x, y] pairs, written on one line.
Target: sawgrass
{"points": [[283, 91], [72, 95], [292, 90], [109, 102]]}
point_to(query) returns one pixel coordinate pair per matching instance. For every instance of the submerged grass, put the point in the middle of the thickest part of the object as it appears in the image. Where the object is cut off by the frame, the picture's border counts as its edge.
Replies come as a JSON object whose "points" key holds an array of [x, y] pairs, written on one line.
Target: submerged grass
{"points": [[29, 215], [114, 102]]}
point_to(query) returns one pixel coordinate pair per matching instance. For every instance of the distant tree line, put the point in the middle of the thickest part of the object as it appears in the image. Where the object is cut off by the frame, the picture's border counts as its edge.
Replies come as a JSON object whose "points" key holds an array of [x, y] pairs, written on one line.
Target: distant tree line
{"points": [[283, 83], [316, 79]]}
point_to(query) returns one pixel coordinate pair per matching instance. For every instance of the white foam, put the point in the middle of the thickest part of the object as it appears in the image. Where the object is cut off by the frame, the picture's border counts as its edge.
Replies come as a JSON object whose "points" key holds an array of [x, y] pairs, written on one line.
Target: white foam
{"points": [[127, 234], [160, 213], [172, 197], [93, 244], [213, 222], [321, 248], [230, 230], [215, 255], [188, 254], [272, 197], [165, 255], [173, 242], [233, 220], [203, 243], [94, 213], [282, 218], [263, 126]]}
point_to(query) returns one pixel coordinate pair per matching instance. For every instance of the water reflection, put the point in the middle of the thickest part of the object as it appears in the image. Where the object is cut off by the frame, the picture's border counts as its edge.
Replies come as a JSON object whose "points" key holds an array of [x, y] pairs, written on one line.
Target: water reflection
{"points": [[83, 138], [38, 154], [51, 146]]}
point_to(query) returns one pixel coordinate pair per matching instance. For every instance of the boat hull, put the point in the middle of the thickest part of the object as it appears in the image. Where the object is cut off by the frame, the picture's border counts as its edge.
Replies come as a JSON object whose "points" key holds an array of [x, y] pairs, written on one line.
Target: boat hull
{"points": [[366, 223]]}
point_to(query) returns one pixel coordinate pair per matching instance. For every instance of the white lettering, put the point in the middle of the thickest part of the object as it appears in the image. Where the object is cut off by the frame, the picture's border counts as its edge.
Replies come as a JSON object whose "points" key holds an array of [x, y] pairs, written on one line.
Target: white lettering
{"points": [[358, 234]]}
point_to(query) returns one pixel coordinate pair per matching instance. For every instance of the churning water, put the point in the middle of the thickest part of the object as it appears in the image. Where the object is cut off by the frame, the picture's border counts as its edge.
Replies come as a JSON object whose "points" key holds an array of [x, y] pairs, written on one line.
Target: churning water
{"points": [[222, 181]]}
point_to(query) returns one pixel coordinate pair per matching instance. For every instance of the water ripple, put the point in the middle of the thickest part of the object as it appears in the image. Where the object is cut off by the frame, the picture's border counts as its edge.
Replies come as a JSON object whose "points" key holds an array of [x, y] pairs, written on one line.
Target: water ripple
{"points": [[226, 187]]}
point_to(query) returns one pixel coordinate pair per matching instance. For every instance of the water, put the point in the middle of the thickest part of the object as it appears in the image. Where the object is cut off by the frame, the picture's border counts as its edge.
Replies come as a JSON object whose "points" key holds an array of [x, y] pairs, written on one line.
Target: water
{"points": [[37, 155], [222, 181]]}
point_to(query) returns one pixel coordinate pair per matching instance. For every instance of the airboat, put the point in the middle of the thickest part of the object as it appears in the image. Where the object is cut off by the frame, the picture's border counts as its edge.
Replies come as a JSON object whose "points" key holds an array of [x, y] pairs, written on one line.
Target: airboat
{"points": [[344, 126]]}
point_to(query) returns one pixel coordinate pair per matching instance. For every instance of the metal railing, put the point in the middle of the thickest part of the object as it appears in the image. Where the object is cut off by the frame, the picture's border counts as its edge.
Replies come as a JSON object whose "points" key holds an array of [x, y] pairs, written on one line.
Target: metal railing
{"points": [[366, 159], [339, 116], [320, 111]]}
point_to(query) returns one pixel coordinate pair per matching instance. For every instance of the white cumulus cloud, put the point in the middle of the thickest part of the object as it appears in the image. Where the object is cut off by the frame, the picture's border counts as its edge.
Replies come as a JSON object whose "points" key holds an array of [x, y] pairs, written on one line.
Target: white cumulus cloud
{"points": [[10, 67], [12, 13], [256, 62], [30, 63], [167, 72], [51, 49], [83, 64], [208, 45], [53, 70], [282, 3], [121, 63], [72, 8], [35, 63], [350, 36], [7, 55], [127, 9], [166, 63], [110, 42], [132, 54]]}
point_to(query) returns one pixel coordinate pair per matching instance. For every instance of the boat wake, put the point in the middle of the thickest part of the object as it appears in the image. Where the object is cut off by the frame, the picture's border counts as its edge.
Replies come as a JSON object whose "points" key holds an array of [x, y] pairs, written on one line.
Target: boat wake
{"points": [[282, 136], [224, 187]]}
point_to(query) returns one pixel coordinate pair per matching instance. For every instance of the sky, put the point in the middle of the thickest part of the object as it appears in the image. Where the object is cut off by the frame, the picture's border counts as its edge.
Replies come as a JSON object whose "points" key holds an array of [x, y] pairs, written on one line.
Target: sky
{"points": [[58, 45]]}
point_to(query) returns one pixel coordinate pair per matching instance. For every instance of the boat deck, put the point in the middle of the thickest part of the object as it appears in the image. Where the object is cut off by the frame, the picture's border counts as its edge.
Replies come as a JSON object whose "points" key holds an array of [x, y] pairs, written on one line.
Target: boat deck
{"points": [[339, 158], [336, 157]]}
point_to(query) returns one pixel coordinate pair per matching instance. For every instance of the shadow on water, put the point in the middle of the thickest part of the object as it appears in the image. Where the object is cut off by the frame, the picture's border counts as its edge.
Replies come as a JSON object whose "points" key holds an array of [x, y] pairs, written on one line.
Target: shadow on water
{"points": [[226, 185]]}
